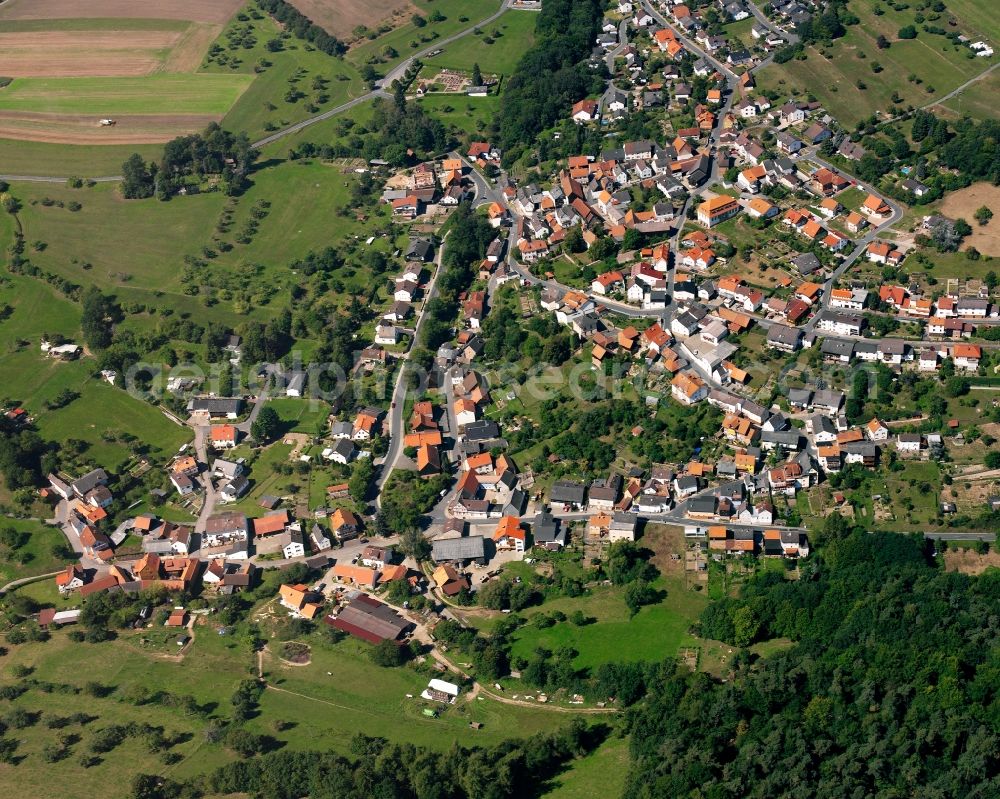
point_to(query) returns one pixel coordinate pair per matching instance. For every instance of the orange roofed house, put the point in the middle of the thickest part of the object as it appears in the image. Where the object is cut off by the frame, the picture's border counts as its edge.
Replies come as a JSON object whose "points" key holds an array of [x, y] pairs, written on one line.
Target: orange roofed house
{"points": [[300, 600], [718, 209], [687, 388], [510, 534], [223, 436], [875, 206]]}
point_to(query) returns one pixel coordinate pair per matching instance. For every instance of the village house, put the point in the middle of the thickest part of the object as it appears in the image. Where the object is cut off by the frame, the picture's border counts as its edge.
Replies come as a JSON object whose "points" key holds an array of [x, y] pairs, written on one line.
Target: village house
{"points": [[717, 209], [510, 535], [223, 436]]}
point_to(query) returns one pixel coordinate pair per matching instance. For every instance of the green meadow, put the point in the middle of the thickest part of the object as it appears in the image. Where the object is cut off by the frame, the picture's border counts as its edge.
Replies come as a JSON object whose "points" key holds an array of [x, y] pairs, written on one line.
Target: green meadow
{"points": [[150, 94], [409, 39], [833, 73], [266, 103], [509, 36]]}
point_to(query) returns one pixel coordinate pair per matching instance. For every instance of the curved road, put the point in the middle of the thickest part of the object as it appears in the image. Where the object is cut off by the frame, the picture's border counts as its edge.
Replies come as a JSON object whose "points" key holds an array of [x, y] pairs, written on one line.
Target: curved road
{"points": [[394, 74]]}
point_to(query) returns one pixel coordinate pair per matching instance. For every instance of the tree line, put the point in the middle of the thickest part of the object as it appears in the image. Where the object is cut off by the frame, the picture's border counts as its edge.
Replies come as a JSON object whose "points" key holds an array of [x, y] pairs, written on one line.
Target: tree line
{"points": [[888, 690], [553, 74], [375, 767], [302, 27]]}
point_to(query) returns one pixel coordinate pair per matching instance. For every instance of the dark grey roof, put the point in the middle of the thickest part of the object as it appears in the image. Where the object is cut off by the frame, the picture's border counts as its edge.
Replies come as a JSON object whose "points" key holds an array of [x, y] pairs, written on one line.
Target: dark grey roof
{"points": [[467, 548], [702, 504], [90, 481], [785, 438], [784, 334], [686, 482], [482, 430], [840, 348], [216, 405], [828, 398], [546, 529], [568, 491], [807, 263], [516, 504], [419, 250], [344, 447]]}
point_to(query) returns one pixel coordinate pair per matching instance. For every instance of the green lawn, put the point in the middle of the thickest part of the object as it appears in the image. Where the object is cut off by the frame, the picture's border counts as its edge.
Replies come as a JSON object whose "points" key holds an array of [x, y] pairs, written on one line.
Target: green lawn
{"points": [[149, 94], [832, 77], [357, 696], [510, 35], [852, 198], [31, 379], [35, 557], [60, 160], [36, 308], [328, 131], [740, 31], [408, 39], [978, 100], [469, 115], [977, 18], [302, 415], [655, 633], [264, 479], [265, 104], [103, 412], [138, 243], [600, 773]]}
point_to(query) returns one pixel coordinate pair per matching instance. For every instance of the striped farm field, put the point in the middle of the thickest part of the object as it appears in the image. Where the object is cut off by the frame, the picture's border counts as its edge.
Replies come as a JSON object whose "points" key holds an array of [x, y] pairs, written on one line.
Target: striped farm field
{"points": [[103, 96]]}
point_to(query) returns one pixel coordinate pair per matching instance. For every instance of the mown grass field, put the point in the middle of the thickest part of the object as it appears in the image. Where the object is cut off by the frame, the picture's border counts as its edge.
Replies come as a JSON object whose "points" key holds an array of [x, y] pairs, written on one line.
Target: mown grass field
{"points": [[35, 557], [360, 697], [101, 413], [600, 773], [832, 77], [511, 34], [31, 379], [468, 114], [409, 39], [328, 131], [64, 160], [301, 415], [977, 100], [656, 632], [149, 94]]}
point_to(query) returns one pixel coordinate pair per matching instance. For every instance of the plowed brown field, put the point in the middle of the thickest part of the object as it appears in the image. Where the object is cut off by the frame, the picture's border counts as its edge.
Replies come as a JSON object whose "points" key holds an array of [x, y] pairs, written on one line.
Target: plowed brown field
{"points": [[340, 17], [73, 53], [217, 11], [84, 129]]}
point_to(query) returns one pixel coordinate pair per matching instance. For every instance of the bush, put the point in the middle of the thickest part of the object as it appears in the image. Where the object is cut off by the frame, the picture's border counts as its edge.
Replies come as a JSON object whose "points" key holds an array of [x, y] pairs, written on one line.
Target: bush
{"points": [[388, 654]]}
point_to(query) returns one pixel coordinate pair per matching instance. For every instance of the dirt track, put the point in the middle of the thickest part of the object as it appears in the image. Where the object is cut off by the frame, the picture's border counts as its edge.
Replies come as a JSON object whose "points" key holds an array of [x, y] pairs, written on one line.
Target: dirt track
{"points": [[218, 11], [84, 129]]}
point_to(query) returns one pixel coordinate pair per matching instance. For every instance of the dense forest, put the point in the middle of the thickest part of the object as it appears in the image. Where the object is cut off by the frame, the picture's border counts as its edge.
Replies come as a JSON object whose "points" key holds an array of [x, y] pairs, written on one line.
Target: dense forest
{"points": [[515, 768], [214, 151], [553, 74], [890, 689]]}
